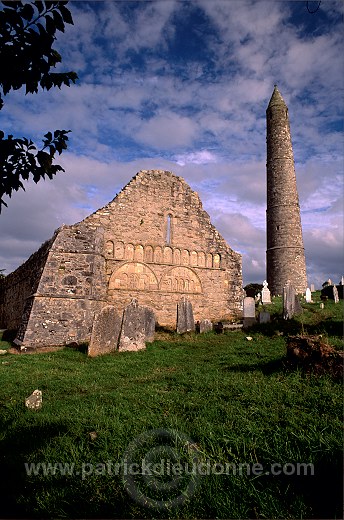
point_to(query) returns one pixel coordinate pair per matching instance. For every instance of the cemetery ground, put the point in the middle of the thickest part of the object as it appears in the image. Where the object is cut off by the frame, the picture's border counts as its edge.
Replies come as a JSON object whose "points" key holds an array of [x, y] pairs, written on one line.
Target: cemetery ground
{"points": [[235, 399]]}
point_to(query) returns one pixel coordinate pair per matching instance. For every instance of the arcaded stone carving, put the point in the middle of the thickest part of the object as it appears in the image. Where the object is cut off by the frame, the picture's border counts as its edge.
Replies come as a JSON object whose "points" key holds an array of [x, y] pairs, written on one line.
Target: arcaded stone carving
{"points": [[181, 279], [134, 275]]}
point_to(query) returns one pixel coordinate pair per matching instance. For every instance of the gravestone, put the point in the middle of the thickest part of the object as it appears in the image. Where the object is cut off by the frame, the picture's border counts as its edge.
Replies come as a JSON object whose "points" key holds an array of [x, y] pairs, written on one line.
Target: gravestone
{"points": [[218, 328], [105, 332], [322, 305], [149, 324], [249, 312], [133, 333], [264, 317], [312, 287], [335, 294], [341, 281], [266, 296], [291, 303], [308, 295], [185, 318], [205, 326], [34, 401]]}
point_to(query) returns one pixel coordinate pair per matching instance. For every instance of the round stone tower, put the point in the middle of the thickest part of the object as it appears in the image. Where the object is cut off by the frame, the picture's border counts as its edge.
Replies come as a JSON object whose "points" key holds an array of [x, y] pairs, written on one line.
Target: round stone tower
{"points": [[285, 255]]}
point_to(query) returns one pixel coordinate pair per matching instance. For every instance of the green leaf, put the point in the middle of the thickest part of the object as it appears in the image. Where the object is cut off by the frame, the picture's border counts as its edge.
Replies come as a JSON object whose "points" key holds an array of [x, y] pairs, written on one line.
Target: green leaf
{"points": [[58, 21], [40, 6], [66, 15], [27, 12]]}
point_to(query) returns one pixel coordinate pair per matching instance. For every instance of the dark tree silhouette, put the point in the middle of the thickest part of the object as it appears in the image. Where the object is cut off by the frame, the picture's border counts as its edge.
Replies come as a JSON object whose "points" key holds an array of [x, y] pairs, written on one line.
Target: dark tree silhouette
{"points": [[27, 35]]}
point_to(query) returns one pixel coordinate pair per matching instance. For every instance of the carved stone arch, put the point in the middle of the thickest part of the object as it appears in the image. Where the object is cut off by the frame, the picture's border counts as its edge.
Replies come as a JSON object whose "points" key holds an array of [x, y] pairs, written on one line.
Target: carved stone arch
{"points": [[134, 276], [176, 256], [185, 258], [216, 261], [109, 249], [158, 255], [209, 260], [148, 254], [138, 253], [201, 259], [129, 252], [193, 258], [180, 279], [119, 250], [167, 255]]}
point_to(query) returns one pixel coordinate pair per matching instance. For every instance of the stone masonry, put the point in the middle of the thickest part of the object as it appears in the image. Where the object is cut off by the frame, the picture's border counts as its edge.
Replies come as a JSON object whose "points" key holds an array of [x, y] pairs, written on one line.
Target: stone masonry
{"points": [[153, 242], [285, 250]]}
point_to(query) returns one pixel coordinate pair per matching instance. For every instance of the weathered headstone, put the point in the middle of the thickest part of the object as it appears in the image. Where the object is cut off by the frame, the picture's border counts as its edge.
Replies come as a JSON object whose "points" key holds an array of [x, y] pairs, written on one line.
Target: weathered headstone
{"points": [[266, 296], [264, 317], [249, 311], [185, 318], [308, 295], [291, 303], [335, 294], [149, 324], [297, 305], [105, 332], [218, 328], [205, 326], [312, 287], [329, 281], [34, 401], [133, 333], [341, 281]]}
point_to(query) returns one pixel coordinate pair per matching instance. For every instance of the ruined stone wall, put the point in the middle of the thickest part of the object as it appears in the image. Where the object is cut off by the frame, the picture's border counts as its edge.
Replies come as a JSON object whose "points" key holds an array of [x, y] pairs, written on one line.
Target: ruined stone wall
{"points": [[19, 286], [72, 288], [160, 245]]}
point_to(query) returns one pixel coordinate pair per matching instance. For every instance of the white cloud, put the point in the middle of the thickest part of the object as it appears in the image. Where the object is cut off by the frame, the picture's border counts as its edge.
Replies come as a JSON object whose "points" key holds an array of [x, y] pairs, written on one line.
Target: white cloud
{"points": [[167, 131], [199, 157]]}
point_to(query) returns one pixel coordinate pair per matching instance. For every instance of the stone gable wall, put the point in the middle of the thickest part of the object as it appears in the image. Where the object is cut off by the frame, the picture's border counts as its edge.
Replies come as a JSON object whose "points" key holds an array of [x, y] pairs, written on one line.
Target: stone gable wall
{"points": [[153, 242], [145, 260]]}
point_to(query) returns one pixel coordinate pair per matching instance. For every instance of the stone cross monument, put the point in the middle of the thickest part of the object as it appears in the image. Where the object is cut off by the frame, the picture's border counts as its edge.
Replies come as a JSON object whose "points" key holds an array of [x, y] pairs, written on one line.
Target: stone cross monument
{"points": [[285, 256]]}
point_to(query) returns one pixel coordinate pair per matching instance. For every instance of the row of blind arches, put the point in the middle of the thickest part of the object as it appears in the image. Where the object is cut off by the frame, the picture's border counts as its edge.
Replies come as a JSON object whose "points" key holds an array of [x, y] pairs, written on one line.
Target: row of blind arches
{"points": [[161, 255]]}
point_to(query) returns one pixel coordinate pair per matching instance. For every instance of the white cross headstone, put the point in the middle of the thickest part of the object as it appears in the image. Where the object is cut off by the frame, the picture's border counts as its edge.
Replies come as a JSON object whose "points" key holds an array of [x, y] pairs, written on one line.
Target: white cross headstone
{"points": [[266, 296], [308, 295]]}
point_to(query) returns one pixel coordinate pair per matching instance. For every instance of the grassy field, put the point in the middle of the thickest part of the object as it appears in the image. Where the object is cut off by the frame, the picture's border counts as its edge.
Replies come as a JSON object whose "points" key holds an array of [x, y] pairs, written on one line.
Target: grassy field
{"points": [[215, 400]]}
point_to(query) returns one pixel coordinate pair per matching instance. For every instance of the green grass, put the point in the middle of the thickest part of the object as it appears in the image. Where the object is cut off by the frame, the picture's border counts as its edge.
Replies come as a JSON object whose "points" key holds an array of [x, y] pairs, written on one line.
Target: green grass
{"points": [[232, 397]]}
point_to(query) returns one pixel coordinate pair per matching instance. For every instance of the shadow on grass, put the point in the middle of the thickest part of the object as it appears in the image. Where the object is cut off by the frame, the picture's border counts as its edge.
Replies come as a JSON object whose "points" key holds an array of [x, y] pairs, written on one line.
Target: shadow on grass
{"points": [[271, 367], [60, 494], [18, 443], [279, 326]]}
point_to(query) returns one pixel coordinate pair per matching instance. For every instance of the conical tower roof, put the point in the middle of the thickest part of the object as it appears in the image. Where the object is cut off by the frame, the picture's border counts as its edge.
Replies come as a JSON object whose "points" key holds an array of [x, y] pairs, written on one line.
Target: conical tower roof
{"points": [[276, 98]]}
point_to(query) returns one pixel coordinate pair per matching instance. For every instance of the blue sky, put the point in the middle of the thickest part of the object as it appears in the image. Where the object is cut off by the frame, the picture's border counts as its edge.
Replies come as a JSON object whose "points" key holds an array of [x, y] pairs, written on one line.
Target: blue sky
{"points": [[184, 86]]}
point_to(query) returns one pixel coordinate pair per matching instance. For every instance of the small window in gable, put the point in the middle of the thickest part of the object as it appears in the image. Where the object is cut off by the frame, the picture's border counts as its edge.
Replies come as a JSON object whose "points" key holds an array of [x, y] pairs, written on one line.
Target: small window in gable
{"points": [[169, 229]]}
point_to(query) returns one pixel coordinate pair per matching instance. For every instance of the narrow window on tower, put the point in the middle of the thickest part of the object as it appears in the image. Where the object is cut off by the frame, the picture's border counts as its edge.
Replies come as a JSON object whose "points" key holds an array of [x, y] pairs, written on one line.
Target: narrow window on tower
{"points": [[277, 228], [169, 229]]}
